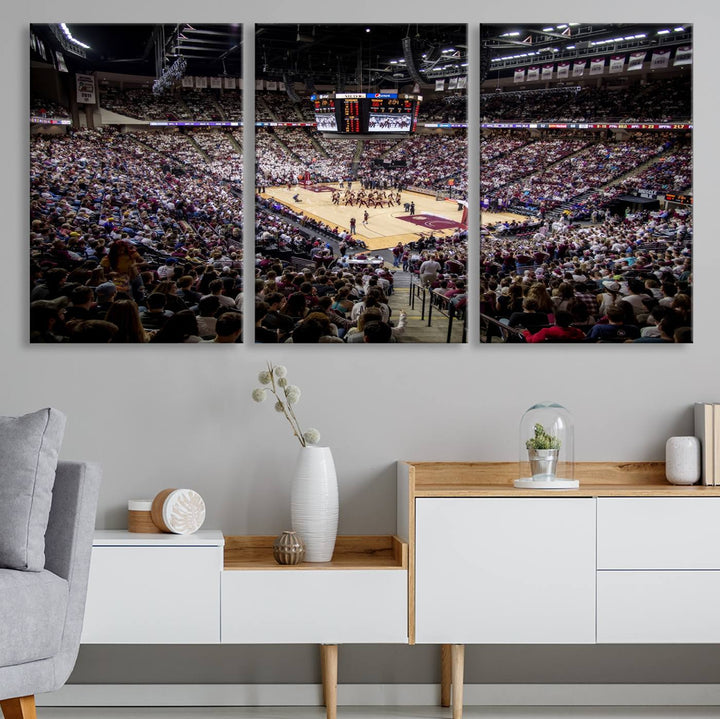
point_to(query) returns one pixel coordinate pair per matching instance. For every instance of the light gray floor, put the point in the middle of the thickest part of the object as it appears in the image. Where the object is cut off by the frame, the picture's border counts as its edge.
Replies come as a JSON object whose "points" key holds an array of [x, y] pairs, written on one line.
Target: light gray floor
{"points": [[384, 713]]}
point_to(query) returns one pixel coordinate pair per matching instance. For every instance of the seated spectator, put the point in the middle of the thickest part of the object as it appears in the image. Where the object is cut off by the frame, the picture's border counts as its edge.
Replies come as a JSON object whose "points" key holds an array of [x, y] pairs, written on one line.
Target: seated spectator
{"points": [[46, 320], [530, 318], [207, 316], [155, 315], [124, 314], [615, 330], [561, 331], [229, 327], [92, 331], [181, 327], [263, 335]]}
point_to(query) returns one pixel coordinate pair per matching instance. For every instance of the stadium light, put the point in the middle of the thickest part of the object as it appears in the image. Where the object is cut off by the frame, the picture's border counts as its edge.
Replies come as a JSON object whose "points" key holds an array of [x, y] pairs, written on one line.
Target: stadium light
{"points": [[548, 29], [69, 36], [679, 29], [510, 34], [663, 32]]}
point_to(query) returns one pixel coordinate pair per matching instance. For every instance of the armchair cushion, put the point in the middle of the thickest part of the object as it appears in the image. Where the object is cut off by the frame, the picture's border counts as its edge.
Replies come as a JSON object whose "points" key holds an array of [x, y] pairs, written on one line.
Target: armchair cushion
{"points": [[32, 615], [29, 447]]}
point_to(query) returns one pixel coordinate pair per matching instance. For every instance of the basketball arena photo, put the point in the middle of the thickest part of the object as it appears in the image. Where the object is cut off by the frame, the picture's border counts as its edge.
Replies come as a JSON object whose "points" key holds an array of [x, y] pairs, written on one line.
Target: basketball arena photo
{"points": [[586, 183], [361, 180], [136, 173]]}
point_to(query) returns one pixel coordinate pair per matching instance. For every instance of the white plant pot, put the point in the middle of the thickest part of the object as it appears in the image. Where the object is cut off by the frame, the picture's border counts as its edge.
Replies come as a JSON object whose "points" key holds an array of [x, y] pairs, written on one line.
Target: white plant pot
{"points": [[314, 502]]}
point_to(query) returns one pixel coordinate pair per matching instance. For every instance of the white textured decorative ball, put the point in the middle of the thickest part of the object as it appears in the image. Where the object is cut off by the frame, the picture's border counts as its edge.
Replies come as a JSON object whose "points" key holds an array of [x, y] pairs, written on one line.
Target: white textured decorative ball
{"points": [[682, 460]]}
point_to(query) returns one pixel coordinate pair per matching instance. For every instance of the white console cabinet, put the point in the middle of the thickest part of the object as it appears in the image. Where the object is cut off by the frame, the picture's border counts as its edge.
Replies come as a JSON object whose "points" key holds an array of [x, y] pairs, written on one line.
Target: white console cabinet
{"points": [[625, 558], [154, 588]]}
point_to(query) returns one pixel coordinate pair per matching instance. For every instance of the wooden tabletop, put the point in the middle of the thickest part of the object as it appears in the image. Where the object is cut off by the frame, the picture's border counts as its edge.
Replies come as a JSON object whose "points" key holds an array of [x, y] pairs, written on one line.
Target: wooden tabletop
{"points": [[351, 552], [597, 479]]}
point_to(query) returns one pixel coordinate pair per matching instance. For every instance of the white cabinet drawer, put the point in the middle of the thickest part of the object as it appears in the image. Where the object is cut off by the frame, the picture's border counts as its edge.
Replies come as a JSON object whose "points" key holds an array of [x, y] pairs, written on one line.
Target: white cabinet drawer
{"points": [[658, 607], [306, 606], [658, 532], [153, 595], [496, 571]]}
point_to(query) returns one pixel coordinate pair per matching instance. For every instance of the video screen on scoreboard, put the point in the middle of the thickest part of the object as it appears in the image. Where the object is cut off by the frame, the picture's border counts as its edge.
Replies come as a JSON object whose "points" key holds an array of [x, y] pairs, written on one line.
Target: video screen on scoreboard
{"points": [[326, 123], [378, 122], [325, 114]]}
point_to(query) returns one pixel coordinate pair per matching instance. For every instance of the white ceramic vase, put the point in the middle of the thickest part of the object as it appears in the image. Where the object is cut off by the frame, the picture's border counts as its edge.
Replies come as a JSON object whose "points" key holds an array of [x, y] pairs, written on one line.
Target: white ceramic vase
{"points": [[314, 502], [682, 460]]}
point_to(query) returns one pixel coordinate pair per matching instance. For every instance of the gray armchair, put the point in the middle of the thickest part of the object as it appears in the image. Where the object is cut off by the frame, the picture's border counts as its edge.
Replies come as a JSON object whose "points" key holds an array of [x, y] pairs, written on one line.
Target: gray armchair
{"points": [[41, 613]]}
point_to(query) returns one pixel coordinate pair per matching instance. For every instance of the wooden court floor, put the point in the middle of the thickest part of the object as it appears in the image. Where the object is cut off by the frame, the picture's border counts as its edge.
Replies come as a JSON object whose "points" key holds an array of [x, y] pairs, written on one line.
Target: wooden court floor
{"points": [[384, 228], [490, 218]]}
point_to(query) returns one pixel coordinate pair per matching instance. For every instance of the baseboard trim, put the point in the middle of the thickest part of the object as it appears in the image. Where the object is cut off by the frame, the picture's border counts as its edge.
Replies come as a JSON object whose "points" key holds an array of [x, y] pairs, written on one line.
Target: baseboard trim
{"points": [[220, 695]]}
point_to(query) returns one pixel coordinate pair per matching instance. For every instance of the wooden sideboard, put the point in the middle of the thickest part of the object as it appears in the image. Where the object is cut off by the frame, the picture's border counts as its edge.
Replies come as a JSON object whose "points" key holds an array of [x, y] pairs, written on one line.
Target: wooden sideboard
{"points": [[622, 559], [625, 558], [205, 588]]}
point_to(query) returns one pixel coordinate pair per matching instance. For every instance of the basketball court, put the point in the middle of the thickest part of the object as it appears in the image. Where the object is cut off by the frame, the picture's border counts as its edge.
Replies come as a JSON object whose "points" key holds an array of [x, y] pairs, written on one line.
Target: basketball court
{"points": [[386, 226], [490, 218]]}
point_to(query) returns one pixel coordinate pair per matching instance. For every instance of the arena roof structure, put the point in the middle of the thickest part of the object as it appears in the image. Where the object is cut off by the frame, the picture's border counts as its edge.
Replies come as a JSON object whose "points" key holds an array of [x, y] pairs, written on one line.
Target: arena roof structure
{"points": [[357, 54], [143, 49], [505, 47]]}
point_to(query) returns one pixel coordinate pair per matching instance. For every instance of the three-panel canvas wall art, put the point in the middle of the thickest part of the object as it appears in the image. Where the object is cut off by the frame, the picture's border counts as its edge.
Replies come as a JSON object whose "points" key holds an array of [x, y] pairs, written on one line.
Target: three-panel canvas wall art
{"points": [[371, 224]]}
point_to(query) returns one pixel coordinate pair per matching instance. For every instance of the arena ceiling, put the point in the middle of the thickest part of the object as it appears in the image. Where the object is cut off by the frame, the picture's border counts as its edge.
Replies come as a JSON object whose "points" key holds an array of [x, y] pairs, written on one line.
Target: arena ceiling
{"points": [[507, 46], [138, 49], [358, 53]]}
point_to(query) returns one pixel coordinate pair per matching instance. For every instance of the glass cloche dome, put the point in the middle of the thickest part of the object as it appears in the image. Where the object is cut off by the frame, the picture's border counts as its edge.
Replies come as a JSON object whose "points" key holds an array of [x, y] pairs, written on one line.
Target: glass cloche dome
{"points": [[546, 448]]}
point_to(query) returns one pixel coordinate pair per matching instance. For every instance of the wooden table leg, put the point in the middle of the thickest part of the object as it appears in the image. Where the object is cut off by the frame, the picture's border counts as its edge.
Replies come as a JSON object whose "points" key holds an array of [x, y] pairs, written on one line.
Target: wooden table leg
{"points": [[328, 661], [458, 669], [445, 675], [19, 708]]}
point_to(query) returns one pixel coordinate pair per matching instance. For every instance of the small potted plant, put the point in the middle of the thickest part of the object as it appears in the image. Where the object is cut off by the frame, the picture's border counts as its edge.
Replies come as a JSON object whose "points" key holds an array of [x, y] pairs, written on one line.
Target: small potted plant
{"points": [[543, 451]]}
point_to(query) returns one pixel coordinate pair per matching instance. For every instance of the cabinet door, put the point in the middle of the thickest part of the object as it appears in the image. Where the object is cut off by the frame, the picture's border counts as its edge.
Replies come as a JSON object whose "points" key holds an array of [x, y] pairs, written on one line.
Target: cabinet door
{"points": [[144, 595], [505, 570], [658, 607], [286, 606], [658, 532]]}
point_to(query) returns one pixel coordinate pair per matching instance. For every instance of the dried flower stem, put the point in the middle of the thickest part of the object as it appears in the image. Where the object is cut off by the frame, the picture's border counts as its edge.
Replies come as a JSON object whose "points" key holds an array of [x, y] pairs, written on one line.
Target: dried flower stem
{"points": [[286, 408]]}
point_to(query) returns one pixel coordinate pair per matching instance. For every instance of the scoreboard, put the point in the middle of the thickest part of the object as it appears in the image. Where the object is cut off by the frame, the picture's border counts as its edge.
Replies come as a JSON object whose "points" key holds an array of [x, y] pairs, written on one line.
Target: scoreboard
{"points": [[359, 112], [350, 114]]}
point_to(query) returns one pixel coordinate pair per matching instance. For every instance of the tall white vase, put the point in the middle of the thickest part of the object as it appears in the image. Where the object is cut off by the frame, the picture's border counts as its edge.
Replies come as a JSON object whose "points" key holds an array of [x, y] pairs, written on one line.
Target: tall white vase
{"points": [[314, 502]]}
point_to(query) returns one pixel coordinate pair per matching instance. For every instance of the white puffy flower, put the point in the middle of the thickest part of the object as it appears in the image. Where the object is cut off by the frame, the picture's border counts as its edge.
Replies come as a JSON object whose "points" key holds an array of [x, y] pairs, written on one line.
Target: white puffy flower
{"points": [[259, 394], [279, 406], [280, 371], [312, 436], [292, 393], [282, 382], [264, 378]]}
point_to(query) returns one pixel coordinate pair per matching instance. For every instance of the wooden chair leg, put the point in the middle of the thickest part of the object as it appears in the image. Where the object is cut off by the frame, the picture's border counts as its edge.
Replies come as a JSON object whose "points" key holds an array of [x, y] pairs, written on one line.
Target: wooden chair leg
{"points": [[445, 675], [458, 670], [329, 661], [19, 708]]}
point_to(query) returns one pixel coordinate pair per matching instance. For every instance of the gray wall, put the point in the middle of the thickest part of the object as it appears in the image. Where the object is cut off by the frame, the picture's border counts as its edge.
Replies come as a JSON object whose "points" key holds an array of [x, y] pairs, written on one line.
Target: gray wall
{"points": [[182, 416]]}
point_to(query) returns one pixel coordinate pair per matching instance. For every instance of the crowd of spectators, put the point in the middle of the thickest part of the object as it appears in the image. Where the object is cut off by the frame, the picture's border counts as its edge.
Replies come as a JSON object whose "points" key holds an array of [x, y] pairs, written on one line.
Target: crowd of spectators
{"points": [[615, 279], [668, 100], [182, 104], [421, 161], [41, 107], [546, 173], [203, 151], [107, 212], [444, 108]]}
